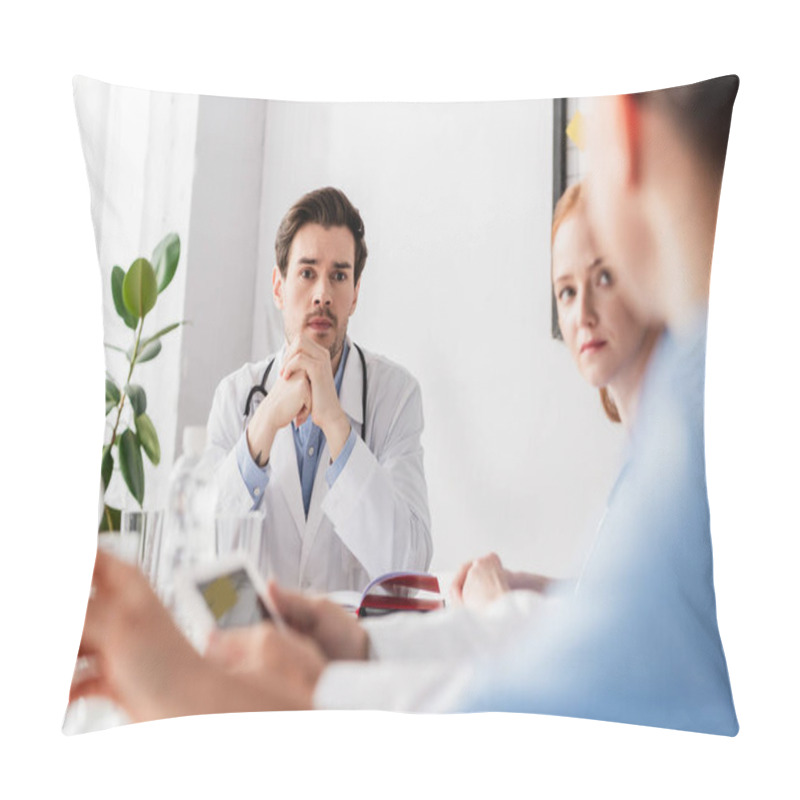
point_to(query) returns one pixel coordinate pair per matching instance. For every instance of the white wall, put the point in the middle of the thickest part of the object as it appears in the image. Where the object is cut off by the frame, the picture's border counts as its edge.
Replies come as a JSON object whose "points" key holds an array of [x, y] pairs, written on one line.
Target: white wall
{"points": [[224, 231], [456, 204]]}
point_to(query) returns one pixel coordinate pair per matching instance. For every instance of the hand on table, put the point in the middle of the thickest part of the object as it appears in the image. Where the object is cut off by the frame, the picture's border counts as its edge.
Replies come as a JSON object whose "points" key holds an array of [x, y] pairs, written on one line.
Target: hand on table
{"points": [[478, 583]]}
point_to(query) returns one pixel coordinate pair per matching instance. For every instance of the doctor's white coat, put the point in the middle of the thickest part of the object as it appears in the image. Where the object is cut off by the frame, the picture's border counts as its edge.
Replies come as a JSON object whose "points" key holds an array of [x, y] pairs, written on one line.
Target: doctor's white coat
{"points": [[374, 519]]}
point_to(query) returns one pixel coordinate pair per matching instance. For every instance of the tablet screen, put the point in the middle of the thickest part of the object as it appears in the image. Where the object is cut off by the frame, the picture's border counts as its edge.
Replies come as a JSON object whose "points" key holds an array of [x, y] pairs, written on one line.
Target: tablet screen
{"points": [[233, 600]]}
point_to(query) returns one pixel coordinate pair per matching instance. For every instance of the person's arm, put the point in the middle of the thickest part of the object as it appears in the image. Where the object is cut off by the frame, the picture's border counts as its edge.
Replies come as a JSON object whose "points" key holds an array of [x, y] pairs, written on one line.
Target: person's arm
{"points": [[378, 501], [442, 635], [240, 482], [533, 582], [422, 686], [240, 458], [345, 678]]}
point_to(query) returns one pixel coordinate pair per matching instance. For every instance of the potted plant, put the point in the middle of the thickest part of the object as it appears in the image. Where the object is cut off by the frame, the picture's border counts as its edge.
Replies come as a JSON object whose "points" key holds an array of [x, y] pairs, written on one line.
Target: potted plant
{"points": [[132, 432]]}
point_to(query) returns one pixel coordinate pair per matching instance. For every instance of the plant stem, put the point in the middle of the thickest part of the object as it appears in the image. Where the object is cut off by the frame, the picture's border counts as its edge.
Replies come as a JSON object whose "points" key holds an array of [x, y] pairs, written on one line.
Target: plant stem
{"points": [[127, 381]]}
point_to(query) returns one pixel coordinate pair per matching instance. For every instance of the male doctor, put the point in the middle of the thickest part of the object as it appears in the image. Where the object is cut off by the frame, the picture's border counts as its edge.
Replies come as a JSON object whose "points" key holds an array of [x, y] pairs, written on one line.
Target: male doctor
{"points": [[323, 437]]}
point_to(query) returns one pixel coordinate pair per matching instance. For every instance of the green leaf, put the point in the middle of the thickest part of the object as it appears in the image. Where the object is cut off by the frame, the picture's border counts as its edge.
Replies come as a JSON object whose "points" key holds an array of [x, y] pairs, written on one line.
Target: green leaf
{"points": [[106, 466], [148, 352], [137, 397], [110, 406], [114, 347], [148, 438], [117, 279], [139, 289], [112, 391], [130, 462], [162, 332], [165, 259], [112, 519]]}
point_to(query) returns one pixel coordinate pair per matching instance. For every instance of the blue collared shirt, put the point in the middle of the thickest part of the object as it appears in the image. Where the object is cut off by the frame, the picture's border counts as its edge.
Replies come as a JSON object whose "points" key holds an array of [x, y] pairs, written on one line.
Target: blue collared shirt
{"points": [[309, 442]]}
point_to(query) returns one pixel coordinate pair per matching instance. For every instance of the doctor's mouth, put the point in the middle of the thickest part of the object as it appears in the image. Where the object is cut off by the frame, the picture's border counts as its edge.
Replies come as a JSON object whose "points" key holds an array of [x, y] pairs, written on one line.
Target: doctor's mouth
{"points": [[321, 322]]}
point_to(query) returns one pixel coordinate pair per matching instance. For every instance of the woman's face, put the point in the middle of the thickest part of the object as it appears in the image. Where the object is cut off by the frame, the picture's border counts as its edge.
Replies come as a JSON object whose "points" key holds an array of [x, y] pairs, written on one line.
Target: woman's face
{"points": [[604, 337]]}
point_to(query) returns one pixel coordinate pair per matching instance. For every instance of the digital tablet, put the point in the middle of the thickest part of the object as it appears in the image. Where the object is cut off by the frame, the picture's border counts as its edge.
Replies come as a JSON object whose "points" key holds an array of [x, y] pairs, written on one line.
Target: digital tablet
{"points": [[227, 593]]}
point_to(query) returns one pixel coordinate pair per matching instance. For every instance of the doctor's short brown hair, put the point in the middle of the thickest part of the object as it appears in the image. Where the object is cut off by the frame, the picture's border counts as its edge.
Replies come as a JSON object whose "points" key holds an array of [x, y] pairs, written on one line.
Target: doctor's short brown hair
{"points": [[330, 208]]}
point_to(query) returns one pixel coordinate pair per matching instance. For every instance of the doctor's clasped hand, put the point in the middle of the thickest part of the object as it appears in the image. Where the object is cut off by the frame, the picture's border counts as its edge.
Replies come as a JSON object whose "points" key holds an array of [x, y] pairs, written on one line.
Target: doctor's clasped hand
{"points": [[305, 357], [290, 400]]}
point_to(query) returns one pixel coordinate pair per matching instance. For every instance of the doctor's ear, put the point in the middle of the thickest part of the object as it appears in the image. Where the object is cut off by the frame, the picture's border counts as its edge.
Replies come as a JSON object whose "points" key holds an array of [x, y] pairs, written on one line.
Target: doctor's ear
{"points": [[277, 287], [355, 297]]}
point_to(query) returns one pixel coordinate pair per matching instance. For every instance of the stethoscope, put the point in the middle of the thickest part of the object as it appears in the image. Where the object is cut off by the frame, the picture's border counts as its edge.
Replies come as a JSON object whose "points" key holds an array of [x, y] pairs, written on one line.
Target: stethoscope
{"points": [[260, 389]]}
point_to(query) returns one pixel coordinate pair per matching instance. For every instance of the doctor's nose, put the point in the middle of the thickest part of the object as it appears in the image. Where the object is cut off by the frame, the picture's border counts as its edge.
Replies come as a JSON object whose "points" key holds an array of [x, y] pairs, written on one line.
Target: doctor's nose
{"points": [[322, 295]]}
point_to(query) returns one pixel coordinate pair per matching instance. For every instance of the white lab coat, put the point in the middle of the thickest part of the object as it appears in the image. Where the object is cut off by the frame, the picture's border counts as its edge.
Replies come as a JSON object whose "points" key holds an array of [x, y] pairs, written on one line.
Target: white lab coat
{"points": [[374, 519], [423, 662]]}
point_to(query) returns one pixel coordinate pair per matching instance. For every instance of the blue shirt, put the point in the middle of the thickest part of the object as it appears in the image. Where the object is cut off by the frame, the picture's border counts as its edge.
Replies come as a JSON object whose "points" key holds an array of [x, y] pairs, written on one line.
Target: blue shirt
{"points": [[639, 642], [309, 442]]}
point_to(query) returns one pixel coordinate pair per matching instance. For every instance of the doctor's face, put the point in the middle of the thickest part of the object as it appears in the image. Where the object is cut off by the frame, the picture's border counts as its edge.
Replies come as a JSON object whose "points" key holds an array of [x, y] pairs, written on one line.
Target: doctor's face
{"points": [[317, 295], [603, 336]]}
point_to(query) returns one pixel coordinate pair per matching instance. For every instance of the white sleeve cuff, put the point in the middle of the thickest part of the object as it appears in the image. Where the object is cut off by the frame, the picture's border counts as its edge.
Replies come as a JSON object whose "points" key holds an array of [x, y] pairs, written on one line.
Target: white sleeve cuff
{"points": [[427, 687]]}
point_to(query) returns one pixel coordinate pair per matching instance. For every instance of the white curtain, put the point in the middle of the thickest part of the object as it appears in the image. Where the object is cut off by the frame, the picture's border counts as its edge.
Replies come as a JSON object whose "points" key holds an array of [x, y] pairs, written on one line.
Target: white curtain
{"points": [[139, 149]]}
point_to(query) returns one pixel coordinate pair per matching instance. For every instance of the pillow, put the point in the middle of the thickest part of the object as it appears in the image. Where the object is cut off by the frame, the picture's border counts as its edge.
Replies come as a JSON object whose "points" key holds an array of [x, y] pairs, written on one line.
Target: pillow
{"points": [[469, 275]]}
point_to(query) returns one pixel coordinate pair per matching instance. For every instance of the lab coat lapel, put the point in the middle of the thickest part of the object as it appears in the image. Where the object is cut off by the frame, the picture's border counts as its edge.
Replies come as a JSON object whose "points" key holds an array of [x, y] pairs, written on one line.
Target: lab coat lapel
{"points": [[314, 520], [284, 463], [350, 400]]}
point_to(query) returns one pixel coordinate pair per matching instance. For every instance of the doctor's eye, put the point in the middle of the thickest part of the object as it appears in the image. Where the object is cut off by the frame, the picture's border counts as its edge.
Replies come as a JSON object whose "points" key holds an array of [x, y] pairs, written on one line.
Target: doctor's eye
{"points": [[339, 276], [306, 273], [605, 279]]}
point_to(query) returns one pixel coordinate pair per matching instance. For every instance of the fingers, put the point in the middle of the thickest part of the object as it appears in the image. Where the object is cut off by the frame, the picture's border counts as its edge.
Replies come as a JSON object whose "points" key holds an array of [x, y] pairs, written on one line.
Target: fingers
{"points": [[236, 648], [248, 651], [99, 612], [304, 414], [457, 584], [298, 610], [305, 353], [305, 344], [303, 362], [92, 687], [224, 647]]}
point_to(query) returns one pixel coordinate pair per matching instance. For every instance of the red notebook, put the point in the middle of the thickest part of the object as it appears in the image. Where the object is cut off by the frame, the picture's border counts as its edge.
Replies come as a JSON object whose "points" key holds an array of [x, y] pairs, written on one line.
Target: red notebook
{"points": [[394, 591]]}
